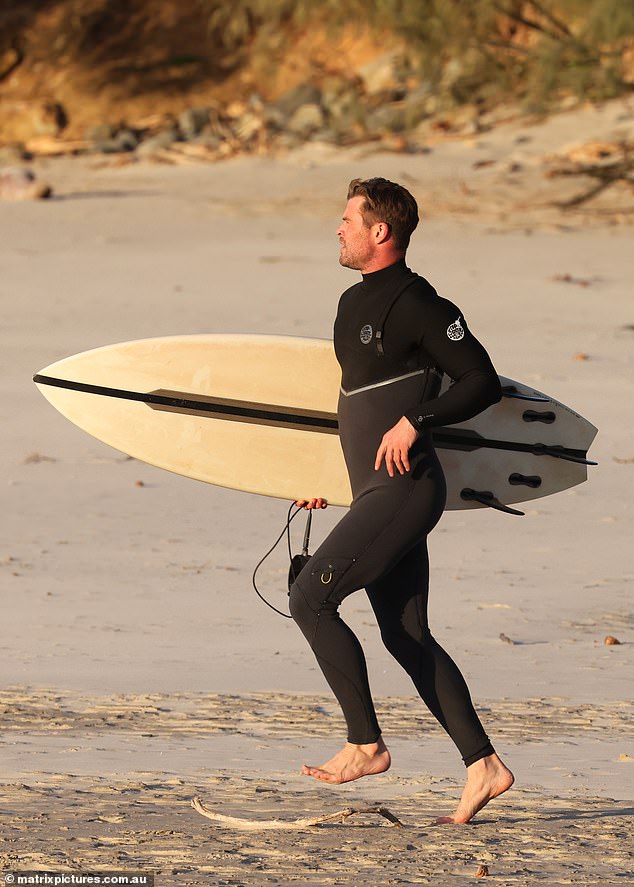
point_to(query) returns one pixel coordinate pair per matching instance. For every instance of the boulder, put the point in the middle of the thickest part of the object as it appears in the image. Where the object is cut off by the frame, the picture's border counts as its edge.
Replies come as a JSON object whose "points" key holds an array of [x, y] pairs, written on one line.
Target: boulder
{"points": [[100, 133], [124, 140], [156, 144], [291, 101], [192, 121], [388, 118], [306, 120], [247, 126], [385, 74]]}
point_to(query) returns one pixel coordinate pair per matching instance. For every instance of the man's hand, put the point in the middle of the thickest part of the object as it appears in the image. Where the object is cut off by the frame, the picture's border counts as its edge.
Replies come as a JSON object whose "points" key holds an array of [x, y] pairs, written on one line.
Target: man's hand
{"points": [[395, 447], [311, 503]]}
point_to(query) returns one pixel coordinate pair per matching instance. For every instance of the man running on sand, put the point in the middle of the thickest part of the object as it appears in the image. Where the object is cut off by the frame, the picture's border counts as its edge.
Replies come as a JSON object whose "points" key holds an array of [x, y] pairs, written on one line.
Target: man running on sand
{"points": [[394, 338]]}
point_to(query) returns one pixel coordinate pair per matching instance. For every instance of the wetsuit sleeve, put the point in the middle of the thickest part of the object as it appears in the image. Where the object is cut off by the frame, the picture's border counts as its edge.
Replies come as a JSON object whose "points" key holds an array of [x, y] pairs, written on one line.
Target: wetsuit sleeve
{"points": [[456, 351]]}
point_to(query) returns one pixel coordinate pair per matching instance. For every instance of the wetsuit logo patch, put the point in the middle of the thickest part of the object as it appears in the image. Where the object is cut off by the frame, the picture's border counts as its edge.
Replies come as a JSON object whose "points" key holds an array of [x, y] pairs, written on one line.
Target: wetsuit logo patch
{"points": [[366, 334], [455, 331]]}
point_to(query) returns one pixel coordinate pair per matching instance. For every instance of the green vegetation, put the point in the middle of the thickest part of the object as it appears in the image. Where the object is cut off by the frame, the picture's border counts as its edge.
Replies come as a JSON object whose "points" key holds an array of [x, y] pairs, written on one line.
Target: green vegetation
{"points": [[469, 50]]}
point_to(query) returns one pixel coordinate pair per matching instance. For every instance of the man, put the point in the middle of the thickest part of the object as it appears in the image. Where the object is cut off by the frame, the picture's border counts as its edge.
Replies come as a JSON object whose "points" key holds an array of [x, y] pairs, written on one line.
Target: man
{"points": [[394, 338]]}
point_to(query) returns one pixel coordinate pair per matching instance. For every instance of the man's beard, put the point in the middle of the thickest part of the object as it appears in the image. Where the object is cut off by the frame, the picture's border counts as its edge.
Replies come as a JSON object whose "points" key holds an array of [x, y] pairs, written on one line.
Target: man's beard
{"points": [[350, 260]]}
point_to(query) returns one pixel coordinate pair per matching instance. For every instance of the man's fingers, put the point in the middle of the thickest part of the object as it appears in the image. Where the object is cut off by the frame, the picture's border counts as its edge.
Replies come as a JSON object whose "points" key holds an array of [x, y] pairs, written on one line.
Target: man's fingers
{"points": [[382, 450], [398, 461], [311, 503]]}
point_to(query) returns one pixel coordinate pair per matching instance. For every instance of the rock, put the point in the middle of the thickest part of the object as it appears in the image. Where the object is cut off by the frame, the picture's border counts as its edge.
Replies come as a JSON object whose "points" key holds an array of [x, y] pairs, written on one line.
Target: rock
{"points": [[273, 118], [291, 101], [383, 74], [103, 132], [287, 140], [464, 119], [389, 118], [192, 121], [611, 641], [154, 124], [125, 140], [344, 106], [20, 184], [15, 153], [218, 125], [255, 103], [306, 120], [156, 144], [416, 105], [211, 142], [247, 126]]}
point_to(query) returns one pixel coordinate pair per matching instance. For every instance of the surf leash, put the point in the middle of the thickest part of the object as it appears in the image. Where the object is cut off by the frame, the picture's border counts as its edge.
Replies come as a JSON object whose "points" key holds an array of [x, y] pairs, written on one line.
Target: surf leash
{"points": [[297, 562]]}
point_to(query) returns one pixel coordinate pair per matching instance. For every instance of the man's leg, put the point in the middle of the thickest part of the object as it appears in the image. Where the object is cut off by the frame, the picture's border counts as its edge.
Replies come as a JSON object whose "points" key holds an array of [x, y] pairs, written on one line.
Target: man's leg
{"points": [[399, 600], [366, 543]]}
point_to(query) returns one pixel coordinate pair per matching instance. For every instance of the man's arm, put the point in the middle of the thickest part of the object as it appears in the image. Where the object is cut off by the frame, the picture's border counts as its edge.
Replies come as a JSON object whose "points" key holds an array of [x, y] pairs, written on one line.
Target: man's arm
{"points": [[457, 352]]}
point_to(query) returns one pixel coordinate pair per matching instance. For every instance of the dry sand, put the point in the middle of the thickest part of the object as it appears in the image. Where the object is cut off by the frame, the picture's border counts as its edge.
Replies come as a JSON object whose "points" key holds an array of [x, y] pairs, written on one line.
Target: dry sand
{"points": [[139, 669]]}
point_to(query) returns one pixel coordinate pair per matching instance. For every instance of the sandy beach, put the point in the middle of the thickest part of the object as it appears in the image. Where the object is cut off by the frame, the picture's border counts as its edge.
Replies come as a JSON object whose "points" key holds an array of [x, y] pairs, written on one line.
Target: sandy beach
{"points": [[138, 667]]}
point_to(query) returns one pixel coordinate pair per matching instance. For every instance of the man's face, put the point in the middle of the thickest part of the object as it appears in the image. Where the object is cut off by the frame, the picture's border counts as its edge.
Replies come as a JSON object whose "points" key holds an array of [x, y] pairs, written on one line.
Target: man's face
{"points": [[357, 244]]}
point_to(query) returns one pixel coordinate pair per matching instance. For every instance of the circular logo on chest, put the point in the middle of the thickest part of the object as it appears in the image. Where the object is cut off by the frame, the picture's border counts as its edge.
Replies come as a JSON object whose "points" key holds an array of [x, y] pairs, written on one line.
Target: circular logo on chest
{"points": [[366, 334]]}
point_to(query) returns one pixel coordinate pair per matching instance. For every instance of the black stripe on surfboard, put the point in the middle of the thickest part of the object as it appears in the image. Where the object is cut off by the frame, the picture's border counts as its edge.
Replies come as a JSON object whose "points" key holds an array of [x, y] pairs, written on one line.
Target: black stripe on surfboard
{"points": [[215, 407], [292, 417]]}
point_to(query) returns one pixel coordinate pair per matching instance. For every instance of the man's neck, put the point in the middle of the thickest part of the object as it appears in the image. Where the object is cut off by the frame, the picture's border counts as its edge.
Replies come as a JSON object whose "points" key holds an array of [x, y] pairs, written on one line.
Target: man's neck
{"points": [[378, 263]]}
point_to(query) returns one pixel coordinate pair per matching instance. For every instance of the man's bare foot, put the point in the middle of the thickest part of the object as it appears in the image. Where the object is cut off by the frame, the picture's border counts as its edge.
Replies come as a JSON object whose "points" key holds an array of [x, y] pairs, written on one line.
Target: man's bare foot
{"points": [[486, 779], [352, 762]]}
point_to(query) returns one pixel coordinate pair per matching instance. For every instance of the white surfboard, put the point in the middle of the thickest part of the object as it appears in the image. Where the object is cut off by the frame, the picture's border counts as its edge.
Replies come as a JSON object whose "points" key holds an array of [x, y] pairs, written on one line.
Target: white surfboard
{"points": [[258, 413]]}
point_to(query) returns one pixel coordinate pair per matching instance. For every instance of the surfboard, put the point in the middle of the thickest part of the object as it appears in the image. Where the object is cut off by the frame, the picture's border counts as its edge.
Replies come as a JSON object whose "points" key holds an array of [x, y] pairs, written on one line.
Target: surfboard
{"points": [[258, 413]]}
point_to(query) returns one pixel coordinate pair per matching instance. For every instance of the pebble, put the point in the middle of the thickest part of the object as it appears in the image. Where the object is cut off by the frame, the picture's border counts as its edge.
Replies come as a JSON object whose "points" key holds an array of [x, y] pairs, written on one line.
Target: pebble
{"points": [[17, 183]]}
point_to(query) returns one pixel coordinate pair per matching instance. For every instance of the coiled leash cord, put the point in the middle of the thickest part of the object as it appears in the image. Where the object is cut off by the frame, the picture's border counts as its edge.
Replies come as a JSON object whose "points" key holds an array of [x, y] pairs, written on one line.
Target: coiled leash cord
{"points": [[297, 562]]}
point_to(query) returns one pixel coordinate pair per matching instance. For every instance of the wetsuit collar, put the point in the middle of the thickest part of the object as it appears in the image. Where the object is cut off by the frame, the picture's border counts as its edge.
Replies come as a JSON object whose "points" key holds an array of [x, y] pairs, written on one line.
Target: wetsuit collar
{"points": [[385, 275]]}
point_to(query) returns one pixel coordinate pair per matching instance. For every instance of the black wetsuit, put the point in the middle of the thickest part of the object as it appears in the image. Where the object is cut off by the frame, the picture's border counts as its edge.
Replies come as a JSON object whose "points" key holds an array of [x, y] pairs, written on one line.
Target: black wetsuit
{"points": [[394, 338]]}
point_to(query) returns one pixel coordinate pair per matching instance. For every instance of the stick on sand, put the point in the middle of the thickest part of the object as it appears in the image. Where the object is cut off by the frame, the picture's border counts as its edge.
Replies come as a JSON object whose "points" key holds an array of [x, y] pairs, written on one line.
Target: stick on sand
{"points": [[262, 824]]}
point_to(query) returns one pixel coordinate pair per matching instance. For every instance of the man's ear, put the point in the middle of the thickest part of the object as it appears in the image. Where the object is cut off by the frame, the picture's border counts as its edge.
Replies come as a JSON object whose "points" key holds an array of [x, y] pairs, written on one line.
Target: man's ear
{"points": [[382, 233]]}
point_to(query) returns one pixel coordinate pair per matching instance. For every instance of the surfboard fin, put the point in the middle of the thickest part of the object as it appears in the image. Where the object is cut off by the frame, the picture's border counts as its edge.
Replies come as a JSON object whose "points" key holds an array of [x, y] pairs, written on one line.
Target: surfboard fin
{"points": [[560, 453], [487, 498]]}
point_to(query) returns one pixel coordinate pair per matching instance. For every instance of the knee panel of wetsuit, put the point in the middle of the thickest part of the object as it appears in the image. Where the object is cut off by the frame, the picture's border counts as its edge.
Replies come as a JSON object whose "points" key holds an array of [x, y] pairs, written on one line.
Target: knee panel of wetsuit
{"points": [[319, 584], [402, 643]]}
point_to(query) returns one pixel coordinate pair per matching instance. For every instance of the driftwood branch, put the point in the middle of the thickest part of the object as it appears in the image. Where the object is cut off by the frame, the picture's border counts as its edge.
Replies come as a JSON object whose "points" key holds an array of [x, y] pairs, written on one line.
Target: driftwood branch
{"points": [[253, 825], [616, 166]]}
